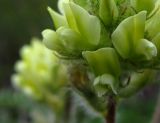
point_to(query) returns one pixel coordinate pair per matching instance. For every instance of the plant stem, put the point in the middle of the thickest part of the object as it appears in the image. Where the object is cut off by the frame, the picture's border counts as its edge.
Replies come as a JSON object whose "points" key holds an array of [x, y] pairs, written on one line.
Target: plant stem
{"points": [[111, 107]]}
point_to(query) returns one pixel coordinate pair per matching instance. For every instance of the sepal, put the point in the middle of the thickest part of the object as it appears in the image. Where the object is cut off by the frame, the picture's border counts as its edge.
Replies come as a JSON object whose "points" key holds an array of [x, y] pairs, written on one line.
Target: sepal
{"points": [[108, 11]]}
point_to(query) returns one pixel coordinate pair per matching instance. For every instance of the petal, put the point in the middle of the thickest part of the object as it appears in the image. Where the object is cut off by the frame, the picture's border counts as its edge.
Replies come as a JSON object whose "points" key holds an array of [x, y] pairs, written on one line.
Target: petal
{"points": [[156, 41], [108, 11], [140, 5], [128, 33], [146, 49], [58, 19], [156, 7], [88, 25], [137, 81], [60, 5], [70, 17], [104, 60], [104, 84], [153, 24], [71, 40], [51, 40]]}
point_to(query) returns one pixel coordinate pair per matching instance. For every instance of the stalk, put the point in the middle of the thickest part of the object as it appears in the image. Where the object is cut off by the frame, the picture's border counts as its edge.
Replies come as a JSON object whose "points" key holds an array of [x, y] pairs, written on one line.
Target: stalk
{"points": [[111, 107]]}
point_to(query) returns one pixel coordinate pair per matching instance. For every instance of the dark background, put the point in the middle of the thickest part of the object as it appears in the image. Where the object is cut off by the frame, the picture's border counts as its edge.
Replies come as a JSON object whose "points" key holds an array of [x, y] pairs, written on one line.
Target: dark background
{"points": [[20, 20]]}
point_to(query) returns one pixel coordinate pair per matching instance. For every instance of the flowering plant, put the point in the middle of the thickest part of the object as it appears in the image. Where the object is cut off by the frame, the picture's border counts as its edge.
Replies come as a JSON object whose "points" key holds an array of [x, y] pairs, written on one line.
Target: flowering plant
{"points": [[110, 47]]}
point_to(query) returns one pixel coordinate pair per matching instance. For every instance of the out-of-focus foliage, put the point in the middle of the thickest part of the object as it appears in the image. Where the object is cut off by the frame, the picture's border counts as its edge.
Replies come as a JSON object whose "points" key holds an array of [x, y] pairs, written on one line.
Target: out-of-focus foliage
{"points": [[23, 110], [15, 107]]}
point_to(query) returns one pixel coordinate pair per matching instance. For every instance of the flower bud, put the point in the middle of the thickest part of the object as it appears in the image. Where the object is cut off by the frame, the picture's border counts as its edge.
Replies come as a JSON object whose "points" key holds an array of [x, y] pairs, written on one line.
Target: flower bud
{"points": [[140, 5], [146, 49], [86, 4], [66, 41], [72, 41], [39, 71], [60, 5], [83, 22], [108, 11], [103, 61], [104, 84], [51, 40], [74, 33], [68, 13], [156, 8], [105, 65], [58, 20], [153, 24], [127, 35], [137, 82], [156, 41]]}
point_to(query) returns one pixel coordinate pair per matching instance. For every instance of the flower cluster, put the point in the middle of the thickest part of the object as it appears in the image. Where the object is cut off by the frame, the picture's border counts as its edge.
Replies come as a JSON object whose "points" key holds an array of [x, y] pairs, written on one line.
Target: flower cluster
{"points": [[133, 34], [116, 42], [40, 74], [74, 32]]}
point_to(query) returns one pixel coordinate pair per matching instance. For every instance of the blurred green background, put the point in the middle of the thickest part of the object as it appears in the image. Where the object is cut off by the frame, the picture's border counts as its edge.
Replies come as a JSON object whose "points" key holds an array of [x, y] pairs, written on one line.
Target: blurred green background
{"points": [[20, 20]]}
